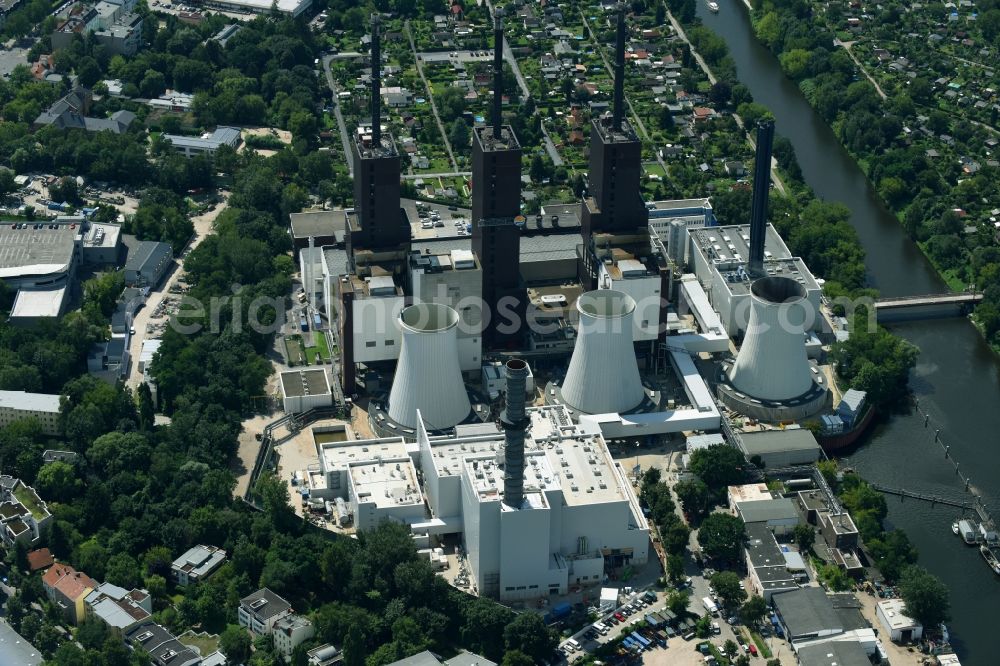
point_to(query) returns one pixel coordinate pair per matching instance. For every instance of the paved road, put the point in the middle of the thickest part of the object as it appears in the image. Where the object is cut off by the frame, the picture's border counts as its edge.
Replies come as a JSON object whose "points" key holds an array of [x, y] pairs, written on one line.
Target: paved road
{"points": [[446, 174], [202, 227], [847, 48], [430, 96], [550, 147], [345, 137]]}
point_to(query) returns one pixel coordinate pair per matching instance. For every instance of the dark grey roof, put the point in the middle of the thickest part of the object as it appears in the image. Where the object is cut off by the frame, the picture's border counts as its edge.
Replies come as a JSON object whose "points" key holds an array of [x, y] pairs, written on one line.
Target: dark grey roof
{"points": [[145, 253], [833, 653], [775, 441], [550, 247], [806, 612], [273, 604], [848, 609], [764, 510], [761, 547], [469, 659], [336, 260], [318, 223], [161, 645]]}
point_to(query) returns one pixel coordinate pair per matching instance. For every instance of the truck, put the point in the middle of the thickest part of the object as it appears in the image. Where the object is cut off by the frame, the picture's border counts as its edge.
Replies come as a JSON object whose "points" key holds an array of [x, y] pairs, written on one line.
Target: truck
{"points": [[710, 606], [558, 612]]}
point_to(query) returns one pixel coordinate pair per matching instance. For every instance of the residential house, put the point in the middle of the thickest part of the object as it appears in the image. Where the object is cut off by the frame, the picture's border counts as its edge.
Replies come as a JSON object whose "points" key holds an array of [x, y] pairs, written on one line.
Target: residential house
{"points": [[196, 564], [702, 113], [69, 112], [291, 631], [260, 611], [68, 588], [735, 168], [161, 645], [119, 609], [40, 559], [24, 517]]}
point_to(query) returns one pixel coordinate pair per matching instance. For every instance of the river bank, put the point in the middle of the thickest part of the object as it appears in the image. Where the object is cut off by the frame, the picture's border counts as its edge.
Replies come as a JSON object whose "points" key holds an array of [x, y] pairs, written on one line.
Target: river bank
{"points": [[956, 379]]}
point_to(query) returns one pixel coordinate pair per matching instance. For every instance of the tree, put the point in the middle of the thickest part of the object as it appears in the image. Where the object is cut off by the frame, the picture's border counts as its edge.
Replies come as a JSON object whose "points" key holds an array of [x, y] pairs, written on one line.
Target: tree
{"points": [[729, 587], [459, 134], [527, 633], [235, 643], [695, 497], [753, 610], [804, 536], [516, 658], [718, 466], [537, 170], [925, 597], [450, 104], [675, 568], [57, 481], [354, 647], [678, 603], [721, 536], [720, 93], [484, 627], [666, 118]]}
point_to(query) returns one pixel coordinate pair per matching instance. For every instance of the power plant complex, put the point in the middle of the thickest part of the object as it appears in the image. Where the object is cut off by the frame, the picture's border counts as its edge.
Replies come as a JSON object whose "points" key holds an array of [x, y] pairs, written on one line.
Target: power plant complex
{"points": [[640, 322]]}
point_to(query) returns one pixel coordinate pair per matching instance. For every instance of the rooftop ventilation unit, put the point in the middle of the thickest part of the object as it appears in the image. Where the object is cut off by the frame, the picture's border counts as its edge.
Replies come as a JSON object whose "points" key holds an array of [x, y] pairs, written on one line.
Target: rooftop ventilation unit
{"points": [[428, 376], [772, 363], [603, 375]]}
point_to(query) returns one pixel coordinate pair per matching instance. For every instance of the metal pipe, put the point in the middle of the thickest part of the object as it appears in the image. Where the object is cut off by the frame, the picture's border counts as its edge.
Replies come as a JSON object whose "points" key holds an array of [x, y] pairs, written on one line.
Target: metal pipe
{"points": [[376, 84], [514, 421], [616, 118], [497, 72], [761, 191]]}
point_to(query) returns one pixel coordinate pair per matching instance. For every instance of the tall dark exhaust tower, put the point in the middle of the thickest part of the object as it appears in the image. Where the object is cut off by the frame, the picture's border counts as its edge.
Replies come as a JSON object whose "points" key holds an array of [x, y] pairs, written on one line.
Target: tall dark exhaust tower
{"points": [[376, 82], [378, 222], [761, 191], [496, 203], [497, 73], [514, 421], [616, 118], [615, 203]]}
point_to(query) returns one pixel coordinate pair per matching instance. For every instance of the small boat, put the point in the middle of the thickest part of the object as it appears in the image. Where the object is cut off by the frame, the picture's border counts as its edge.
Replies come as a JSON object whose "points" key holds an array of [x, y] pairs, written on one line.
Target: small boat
{"points": [[713, 7], [954, 528], [991, 558]]}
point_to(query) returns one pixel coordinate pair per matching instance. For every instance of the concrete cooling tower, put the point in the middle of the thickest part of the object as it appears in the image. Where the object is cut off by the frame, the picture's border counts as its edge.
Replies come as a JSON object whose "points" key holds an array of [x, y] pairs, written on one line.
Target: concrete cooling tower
{"points": [[603, 374], [428, 377], [772, 363]]}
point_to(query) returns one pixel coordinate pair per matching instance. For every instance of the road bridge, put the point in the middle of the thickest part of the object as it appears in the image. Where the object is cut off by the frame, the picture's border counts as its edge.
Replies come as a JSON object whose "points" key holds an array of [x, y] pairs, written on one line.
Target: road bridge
{"points": [[953, 304]]}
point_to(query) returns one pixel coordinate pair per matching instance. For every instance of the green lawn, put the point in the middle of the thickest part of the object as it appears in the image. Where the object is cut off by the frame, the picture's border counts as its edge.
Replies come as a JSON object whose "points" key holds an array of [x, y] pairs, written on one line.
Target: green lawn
{"points": [[30, 501], [205, 643], [320, 350]]}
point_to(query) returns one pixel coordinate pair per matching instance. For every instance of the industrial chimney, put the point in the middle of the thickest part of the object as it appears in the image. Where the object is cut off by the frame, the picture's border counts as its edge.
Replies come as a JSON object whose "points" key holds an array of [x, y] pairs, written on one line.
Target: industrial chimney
{"points": [[603, 374], [497, 73], [428, 376], [772, 363], [616, 118], [761, 190], [514, 421], [376, 84]]}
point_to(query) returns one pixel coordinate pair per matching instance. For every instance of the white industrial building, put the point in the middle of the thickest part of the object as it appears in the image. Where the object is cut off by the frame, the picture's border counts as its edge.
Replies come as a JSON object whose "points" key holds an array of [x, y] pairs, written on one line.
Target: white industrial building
{"points": [[43, 407], [290, 8], [40, 259], [207, 144], [719, 255], [495, 382], [631, 276], [302, 390], [578, 518], [900, 627]]}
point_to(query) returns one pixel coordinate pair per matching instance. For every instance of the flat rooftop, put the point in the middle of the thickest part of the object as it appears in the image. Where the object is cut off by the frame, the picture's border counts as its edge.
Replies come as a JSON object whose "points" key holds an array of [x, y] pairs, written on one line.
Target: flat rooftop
{"points": [[293, 7], [319, 223], [38, 303], [388, 483], [29, 251], [555, 300], [507, 140], [296, 383], [558, 454], [552, 247], [103, 235], [34, 402]]}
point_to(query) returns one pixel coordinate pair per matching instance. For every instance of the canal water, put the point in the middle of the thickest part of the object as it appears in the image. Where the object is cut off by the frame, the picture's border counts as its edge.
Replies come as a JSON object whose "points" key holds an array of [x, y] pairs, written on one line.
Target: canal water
{"points": [[957, 378]]}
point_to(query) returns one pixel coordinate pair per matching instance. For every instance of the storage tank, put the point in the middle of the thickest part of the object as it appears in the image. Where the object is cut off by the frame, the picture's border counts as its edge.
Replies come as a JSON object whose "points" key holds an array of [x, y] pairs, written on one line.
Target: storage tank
{"points": [[603, 374], [772, 363], [428, 376]]}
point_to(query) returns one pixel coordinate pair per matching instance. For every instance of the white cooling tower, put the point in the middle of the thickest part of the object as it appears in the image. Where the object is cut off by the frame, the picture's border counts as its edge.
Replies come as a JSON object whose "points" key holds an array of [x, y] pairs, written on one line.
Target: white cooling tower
{"points": [[772, 363], [428, 377], [603, 375]]}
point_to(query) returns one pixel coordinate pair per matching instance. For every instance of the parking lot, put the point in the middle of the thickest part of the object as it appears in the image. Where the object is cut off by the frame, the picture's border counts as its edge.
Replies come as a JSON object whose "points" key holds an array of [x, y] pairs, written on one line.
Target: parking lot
{"points": [[438, 221]]}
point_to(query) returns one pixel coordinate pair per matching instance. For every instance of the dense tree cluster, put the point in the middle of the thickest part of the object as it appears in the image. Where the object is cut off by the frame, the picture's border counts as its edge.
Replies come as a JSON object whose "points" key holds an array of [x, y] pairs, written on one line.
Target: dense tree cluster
{"points": [[655, 496]]}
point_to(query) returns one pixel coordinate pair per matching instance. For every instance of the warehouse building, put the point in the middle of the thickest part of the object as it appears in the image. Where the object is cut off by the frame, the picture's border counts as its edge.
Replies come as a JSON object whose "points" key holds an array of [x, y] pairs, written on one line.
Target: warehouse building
{"points": [[39, 259], [190, 146], [291, 8], [147, 263], [781, 448]]}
